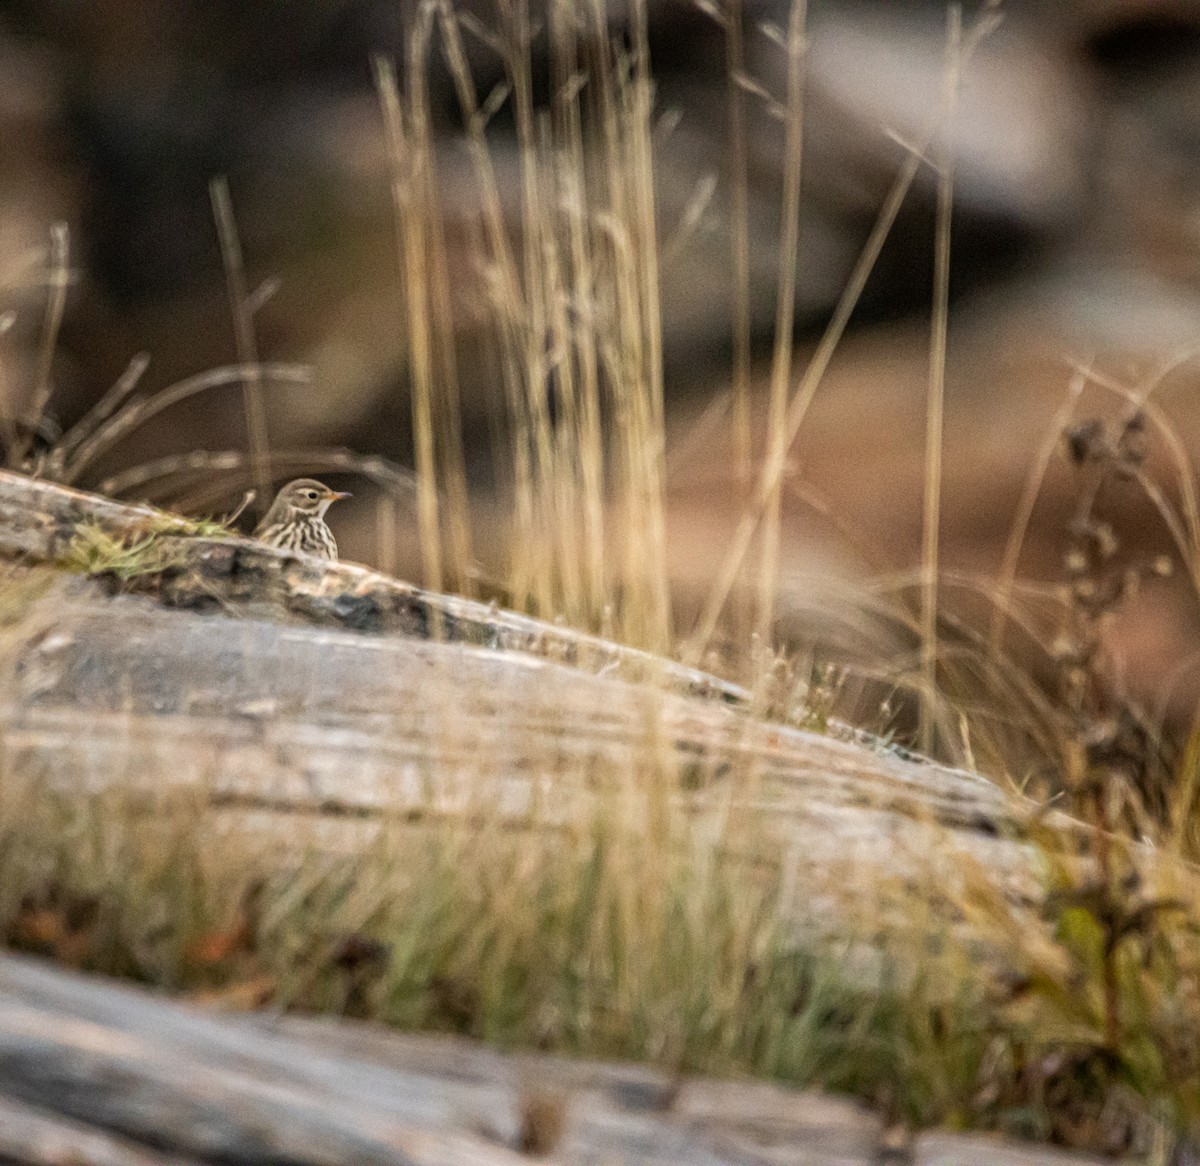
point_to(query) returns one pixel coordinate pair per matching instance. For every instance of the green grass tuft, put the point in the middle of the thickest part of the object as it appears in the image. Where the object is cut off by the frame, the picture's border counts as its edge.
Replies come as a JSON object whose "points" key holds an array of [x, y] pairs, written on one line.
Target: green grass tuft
{"points": [[93, 550]]}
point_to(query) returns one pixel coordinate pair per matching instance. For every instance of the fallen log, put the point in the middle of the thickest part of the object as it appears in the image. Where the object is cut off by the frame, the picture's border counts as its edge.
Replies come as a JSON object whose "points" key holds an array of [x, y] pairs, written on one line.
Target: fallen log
{"points": [[96, 1074], [287, 688], [323, 704]]}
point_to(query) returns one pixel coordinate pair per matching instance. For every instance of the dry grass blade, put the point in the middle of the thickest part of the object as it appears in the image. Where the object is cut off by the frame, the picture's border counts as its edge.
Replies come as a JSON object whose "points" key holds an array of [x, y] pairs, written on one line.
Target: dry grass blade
{"points": [[575, 314], [649, 483], [124, 386], [1186, 479], [493, 214], [577, 321], [58, 281], [936, 395], [580, 325], [534, 333], [785, 314], [739, 236], [222, 473], [506, 296], [1170, 517], [1182, 523], [243, 330], [575, 590], [631, 353], [588, 861], [409, 156], [420, 232], [138, 411], [452, 480], [775, 464]]}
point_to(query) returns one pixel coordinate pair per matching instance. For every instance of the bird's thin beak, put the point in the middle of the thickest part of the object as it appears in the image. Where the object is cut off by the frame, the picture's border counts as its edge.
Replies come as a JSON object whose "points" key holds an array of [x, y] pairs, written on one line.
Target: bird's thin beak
{"points": [[338, 495]]}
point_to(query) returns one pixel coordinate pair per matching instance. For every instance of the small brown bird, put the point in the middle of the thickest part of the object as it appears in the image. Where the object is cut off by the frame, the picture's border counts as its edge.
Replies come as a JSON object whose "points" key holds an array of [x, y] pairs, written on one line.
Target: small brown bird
{"points": [[296, 520]]}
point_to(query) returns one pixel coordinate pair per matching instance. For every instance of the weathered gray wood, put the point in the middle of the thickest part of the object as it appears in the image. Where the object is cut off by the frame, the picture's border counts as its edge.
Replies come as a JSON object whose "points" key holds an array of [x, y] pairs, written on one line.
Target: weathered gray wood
{"points": [[221, 1089], [165, 1080], [321, 703], [339, 732], [39, 521], [128, 657], [232, 1109], [33, 1137], [91, 652], [157, 1035], [966, 1150], [234, 670], [295, 693]]}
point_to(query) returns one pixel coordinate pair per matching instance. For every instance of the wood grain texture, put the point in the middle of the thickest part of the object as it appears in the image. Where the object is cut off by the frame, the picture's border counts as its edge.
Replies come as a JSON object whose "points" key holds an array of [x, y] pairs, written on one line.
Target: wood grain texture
{"points": [[35, 1137], [287, 689], [343, 731], [322, 703], [96, 1070]]}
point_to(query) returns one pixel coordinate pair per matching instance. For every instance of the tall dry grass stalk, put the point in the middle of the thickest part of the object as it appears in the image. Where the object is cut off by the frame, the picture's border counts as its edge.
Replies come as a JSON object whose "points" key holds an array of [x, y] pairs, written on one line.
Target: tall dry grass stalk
{"points": [[645, 928], [19, 429], [739, 235], [936, 395], [774, 463], [785, 315], [244, 337], [583, 375], [408, 148], [732, 19], [572, 290]]}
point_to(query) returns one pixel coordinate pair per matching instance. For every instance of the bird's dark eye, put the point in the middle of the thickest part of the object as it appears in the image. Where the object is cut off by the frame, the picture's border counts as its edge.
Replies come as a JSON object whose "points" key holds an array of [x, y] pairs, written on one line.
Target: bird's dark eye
{"points": [[310, 494]]}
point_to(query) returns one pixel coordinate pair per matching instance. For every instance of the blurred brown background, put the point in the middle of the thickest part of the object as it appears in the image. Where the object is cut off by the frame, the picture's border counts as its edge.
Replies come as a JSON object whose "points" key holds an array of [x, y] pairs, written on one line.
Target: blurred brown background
{"points": [[1076, 240]]}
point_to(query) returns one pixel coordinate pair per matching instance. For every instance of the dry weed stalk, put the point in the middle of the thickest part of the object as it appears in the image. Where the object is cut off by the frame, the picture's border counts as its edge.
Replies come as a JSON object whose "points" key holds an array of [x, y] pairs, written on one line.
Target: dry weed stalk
{"points": [[1115, 772]]}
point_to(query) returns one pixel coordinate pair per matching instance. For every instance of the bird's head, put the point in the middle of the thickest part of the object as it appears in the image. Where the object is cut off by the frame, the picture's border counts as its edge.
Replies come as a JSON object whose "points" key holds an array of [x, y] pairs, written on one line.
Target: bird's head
{"points": [[306, 496]]}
